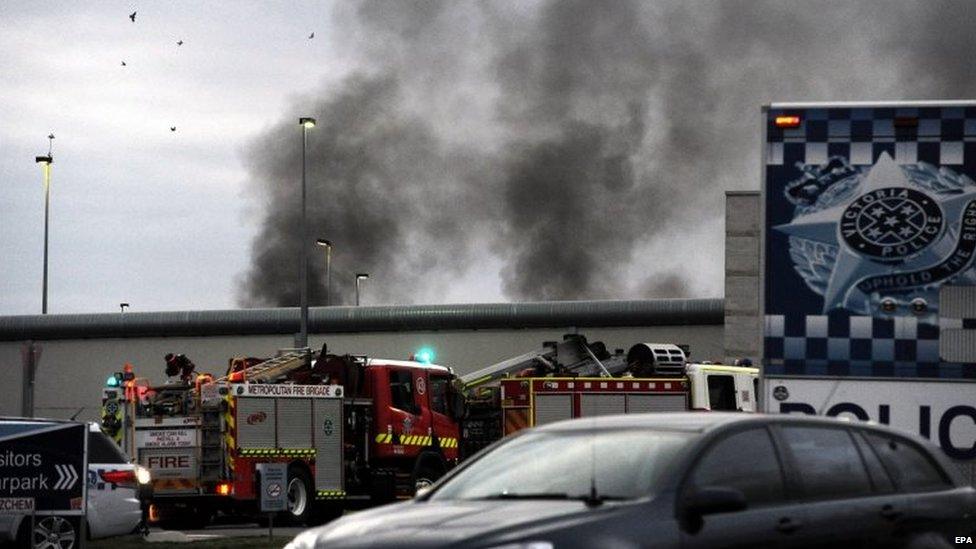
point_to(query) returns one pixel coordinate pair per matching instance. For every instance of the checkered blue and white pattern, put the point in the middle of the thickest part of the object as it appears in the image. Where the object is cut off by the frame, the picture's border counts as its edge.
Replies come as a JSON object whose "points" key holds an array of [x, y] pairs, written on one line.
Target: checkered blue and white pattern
{"points": [[957, 323], [943, 136], [838, 344]]}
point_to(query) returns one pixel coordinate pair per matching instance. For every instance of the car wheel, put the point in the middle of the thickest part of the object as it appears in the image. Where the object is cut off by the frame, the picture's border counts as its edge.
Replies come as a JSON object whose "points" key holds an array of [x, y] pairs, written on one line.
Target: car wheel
{"points": [[299, 495], [54, 533]]}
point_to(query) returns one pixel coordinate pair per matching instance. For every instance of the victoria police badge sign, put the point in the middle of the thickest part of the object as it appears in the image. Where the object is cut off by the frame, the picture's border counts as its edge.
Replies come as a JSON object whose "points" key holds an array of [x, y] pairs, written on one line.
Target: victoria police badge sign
{"points": [[865, 222], [888, 233]]}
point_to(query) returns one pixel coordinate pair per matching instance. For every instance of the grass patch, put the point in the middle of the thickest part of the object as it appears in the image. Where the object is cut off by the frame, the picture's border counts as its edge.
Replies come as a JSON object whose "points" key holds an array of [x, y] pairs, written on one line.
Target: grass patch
{"points": [[136, 542]]}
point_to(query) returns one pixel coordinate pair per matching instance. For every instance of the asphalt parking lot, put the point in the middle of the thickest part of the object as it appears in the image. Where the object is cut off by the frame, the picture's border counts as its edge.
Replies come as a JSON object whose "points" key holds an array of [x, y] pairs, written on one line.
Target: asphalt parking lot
{"points": [[221, 531], [236, 536]]}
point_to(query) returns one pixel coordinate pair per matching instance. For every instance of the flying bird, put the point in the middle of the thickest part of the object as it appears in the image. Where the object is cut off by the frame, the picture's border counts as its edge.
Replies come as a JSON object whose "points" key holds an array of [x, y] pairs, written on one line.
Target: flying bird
{"points": [[311, 36], [179, 43], [133, 16], [172, 128], [123, 63]]}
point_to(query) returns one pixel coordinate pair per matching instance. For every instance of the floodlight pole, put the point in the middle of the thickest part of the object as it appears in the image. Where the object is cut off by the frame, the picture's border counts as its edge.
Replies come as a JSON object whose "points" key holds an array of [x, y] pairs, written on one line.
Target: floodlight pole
{"points": [[45, 162], [305, 123]]}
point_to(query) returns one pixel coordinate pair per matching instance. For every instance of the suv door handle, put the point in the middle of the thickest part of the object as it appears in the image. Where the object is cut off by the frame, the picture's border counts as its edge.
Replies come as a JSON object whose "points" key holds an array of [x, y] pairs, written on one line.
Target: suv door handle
{"points": [[787, 525], [888, 511]]}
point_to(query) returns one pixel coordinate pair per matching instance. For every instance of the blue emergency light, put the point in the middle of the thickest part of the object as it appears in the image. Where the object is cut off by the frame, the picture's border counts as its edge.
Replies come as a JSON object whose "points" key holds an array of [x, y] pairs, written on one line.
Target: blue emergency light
{"points": [[425, 355]]}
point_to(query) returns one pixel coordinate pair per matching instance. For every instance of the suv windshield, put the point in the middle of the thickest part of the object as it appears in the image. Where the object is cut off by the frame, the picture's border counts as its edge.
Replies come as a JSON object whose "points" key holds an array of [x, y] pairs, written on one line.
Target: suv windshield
{"points": [[558, 465]]}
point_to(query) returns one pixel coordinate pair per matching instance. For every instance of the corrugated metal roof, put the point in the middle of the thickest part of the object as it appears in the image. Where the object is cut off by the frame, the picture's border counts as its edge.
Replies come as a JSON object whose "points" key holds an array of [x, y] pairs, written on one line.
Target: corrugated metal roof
{"points": [[645, 312]]}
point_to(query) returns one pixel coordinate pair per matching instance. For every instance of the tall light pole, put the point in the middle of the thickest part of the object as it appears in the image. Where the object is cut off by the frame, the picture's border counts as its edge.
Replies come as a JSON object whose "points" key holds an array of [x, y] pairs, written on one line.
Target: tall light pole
{"points": [[46, 162], [328, 269], [359, 278], [305, 123]]}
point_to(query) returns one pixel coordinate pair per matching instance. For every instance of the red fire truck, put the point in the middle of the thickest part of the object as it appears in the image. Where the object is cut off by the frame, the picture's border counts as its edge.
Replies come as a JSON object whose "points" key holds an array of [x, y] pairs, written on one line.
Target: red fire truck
{"points": [[353, 430], [357, 431]]}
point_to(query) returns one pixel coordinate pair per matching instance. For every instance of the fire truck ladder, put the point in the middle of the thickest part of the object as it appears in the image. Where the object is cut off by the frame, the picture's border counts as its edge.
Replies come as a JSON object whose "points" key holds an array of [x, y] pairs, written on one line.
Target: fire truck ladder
{"points": [[507, 367], [211, 449], [573, 354], [269, 369]]}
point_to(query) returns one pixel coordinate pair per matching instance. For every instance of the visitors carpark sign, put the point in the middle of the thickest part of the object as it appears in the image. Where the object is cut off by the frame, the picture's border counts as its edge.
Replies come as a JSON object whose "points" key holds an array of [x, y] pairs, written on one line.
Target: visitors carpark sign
{"points": [[43, 467]]}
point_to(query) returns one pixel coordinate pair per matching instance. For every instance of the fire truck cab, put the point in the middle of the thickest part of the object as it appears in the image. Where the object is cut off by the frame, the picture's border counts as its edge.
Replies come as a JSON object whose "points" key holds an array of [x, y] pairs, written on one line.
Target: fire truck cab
{"points": [[722, 388], [414, 429]]}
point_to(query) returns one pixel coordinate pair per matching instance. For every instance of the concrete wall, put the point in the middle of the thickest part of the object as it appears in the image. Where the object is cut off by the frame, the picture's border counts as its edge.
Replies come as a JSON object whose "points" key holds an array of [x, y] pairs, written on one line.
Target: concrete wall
{"points": [[742, 230], [72, 372]]}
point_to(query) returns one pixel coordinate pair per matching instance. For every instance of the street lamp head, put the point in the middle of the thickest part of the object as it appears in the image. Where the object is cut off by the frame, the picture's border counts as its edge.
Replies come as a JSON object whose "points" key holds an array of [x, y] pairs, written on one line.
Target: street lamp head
{"points": [[362, 276], [324, 242], [307, 122], [46, 159]]}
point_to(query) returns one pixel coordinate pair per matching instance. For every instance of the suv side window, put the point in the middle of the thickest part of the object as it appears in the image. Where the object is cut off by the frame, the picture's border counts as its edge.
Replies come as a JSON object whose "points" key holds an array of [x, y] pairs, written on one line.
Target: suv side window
{"points": [[746, 461], [401, 390], [721, 392], [827, 462], [910, 466], [101, 450]]}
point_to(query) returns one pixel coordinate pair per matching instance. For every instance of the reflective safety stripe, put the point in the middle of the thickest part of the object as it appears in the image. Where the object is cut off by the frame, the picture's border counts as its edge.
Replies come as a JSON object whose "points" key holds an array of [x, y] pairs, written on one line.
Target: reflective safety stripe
{"points": [[229, 430], [287, 452], [330, 494], [164, 484], [416, 440], [449, 442]]}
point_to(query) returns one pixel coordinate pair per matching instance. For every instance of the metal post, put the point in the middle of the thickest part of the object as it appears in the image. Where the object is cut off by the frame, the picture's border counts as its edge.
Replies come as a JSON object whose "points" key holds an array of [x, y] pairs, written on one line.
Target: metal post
{"points": [[328, 268], [303, 337], [47, 209], [359, 278], [328, 275], [46, 160], [31, 356]]}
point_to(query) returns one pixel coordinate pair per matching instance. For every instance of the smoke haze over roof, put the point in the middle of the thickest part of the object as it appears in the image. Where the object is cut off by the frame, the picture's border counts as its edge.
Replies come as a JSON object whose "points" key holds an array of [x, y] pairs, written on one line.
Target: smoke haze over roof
{"points": [[585, 145], [465, 150]]}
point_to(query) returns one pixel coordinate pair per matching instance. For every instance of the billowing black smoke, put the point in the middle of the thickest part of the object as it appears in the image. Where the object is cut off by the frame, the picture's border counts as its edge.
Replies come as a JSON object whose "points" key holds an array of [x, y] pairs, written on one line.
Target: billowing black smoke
{"points": [[576, 92], [379, 187], [566, 148]]}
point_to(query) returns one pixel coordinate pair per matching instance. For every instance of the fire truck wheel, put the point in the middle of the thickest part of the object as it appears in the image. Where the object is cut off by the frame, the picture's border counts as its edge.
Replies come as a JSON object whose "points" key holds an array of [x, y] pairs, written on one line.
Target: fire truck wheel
{"points": [[300, 495], [425, 475]]}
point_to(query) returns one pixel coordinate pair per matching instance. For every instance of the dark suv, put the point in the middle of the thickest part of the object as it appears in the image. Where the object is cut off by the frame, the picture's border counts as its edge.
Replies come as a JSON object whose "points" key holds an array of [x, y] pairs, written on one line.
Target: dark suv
{"points": [[681, 480]]}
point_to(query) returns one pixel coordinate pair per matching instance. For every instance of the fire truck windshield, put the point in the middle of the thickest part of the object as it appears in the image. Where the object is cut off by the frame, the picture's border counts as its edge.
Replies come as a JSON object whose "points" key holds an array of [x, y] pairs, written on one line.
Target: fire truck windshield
{"points": [[619, 464]]}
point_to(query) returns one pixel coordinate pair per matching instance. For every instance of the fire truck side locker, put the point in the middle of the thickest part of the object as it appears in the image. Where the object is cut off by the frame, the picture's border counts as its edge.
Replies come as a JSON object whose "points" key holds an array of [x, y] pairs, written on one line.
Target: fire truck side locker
{"points": [[292, 423]]}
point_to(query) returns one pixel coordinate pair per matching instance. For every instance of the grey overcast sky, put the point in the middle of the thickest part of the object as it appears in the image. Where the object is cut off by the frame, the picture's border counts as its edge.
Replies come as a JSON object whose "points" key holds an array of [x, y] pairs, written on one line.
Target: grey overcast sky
{"points": [[141, 214], [466, 150]]}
